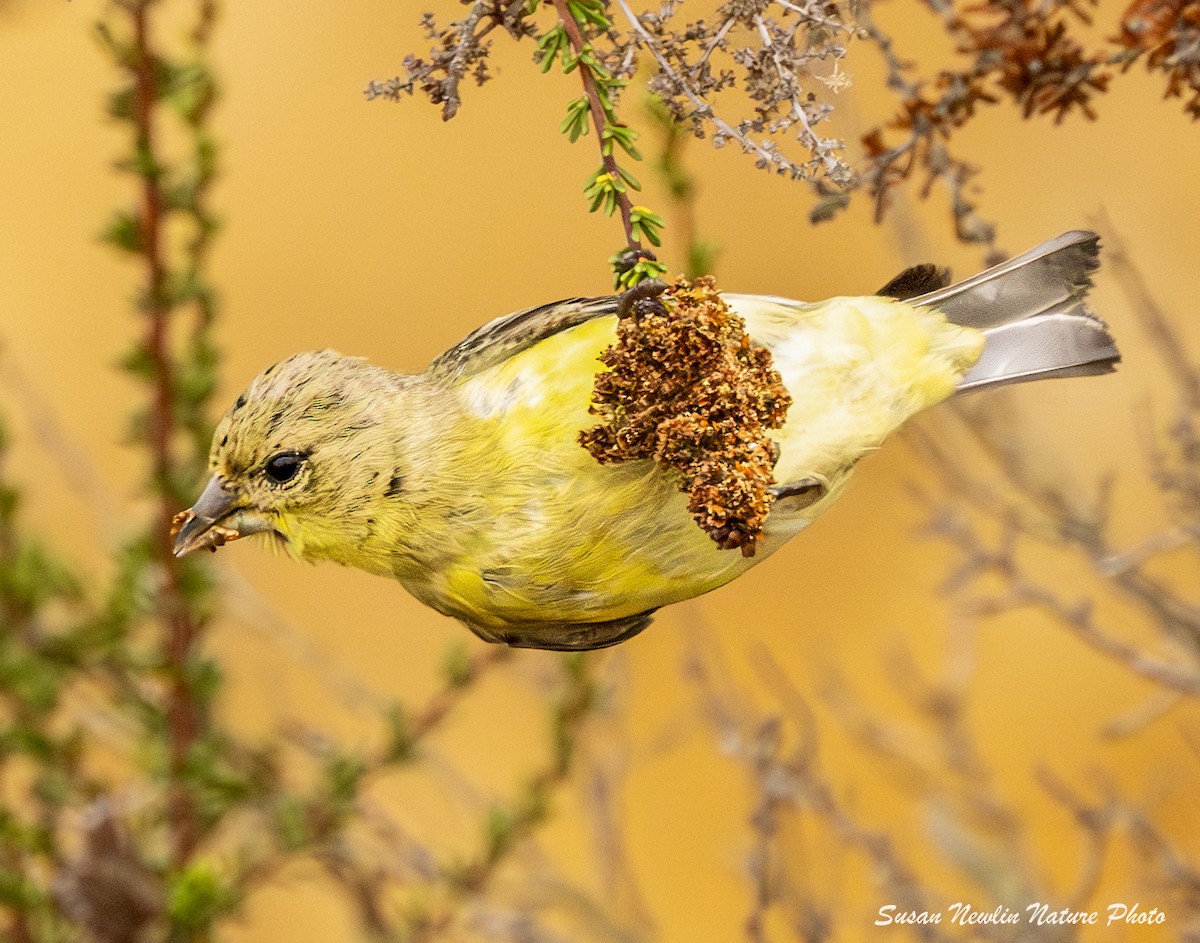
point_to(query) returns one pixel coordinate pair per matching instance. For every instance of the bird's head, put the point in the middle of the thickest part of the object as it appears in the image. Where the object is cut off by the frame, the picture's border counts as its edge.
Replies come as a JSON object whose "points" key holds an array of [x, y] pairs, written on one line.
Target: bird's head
{"points": [[300, 455]]}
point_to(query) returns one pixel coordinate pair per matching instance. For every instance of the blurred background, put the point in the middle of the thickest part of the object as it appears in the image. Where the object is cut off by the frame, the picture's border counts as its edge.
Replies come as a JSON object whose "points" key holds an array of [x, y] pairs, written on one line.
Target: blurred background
{"points": [[886, 712]]}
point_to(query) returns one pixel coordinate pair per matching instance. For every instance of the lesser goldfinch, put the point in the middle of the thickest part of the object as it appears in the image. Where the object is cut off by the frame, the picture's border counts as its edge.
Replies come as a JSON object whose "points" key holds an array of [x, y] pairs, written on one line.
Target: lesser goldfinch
{"points": [[468, 484]]}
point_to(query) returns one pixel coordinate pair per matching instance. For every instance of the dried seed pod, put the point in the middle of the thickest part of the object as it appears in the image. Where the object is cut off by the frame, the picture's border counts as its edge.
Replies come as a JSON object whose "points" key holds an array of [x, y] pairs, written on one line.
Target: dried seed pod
{"points": [[216, 536], [686, 387]]}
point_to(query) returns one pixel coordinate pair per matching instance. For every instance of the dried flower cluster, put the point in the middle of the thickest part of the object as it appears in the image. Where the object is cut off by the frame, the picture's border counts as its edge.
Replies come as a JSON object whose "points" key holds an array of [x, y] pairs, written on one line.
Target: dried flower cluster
{"points": [[777, 54], [1167, 33], [785, 56], [1033, 54], [687, 388], [459, 50], [774, 42]]}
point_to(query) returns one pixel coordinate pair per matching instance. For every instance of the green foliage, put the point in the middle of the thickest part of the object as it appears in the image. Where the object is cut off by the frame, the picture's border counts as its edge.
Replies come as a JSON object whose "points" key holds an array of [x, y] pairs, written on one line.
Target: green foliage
{"points": [[552, 44], [292, 828], [499, 832], [590, 12], [19, 892], [607, 189], [196, 896], [135, 642], [701, 258], [401, 744], [700, 255], [604, 189], [575, 124], [623, 135], [343, 777], [646, 224], [633, 268], [457, 666], [41, 645], [124, 232]]}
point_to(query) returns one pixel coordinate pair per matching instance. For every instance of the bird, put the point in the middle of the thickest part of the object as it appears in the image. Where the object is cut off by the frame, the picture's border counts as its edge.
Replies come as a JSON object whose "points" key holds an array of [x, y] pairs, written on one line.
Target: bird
{"points": [[467, 482]]}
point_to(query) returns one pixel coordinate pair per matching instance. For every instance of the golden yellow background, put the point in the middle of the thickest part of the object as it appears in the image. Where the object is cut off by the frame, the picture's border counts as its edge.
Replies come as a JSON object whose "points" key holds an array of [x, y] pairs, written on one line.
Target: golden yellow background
{"points": [[379, 230]]}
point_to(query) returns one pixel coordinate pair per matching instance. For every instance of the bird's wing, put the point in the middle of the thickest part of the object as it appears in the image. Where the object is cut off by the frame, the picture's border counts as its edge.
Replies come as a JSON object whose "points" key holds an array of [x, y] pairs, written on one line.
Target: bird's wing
{"points": [[560, 635], [500, 339], [917, 280], [503, 338]]}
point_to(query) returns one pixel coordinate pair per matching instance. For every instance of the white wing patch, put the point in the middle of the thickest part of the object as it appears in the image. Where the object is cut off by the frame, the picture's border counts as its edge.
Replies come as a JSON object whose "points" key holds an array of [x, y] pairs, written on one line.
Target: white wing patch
{"points": [[485, 399]]}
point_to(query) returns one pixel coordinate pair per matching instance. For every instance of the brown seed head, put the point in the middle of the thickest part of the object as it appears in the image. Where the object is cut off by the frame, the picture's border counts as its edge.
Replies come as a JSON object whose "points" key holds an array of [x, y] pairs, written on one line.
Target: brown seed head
{"points": [[686, 387]]}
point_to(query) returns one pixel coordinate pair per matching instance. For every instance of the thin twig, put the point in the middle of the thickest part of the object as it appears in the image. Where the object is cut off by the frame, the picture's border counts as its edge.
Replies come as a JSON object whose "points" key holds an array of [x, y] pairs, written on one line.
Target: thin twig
{"points": [[768, 157], [460, 61], [184, 720], [1155, 323], [420, 727], [815, 144], [599, 120], [438, 707], [1097, 823], [1079, 619]]}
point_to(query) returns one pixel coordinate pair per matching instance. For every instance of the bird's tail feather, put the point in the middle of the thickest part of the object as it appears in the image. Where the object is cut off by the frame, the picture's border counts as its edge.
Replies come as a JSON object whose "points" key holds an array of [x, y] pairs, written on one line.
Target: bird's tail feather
{"points": [[1031, 310]]}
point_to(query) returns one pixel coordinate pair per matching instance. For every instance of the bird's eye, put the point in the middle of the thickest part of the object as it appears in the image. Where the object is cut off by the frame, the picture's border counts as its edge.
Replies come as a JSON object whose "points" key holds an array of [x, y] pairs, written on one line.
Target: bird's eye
{"points": [[283, 467]]}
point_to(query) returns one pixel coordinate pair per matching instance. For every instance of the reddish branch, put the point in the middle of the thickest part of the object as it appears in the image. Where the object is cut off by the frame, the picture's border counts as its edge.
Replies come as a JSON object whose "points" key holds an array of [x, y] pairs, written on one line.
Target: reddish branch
{"points": [[19, 920], [438, 706], [181, 629], [474, 878], [468, 49], [599, 119], [422, 725]]}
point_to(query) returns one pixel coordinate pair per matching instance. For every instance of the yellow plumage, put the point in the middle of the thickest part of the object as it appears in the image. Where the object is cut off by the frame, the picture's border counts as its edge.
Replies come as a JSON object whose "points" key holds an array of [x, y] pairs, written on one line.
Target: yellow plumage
{"points": [[469, 485], [599, 542]]}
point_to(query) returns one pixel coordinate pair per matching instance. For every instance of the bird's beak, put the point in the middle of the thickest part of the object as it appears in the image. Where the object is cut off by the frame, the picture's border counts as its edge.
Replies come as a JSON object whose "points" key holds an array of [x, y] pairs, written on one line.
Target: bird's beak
{"points": [[215, 519]]}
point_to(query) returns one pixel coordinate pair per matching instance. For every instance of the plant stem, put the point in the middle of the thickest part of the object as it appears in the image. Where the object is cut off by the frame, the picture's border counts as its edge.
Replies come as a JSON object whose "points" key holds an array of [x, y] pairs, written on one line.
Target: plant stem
{"points": [[599, 119], [180, 627], [435, 710]]}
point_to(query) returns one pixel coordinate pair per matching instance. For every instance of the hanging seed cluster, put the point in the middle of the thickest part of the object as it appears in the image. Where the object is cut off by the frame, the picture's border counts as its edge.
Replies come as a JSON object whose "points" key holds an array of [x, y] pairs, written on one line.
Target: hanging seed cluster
{"points": [[687, 388]]}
